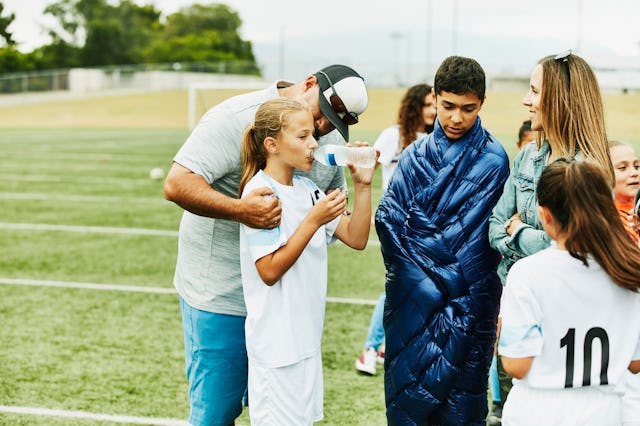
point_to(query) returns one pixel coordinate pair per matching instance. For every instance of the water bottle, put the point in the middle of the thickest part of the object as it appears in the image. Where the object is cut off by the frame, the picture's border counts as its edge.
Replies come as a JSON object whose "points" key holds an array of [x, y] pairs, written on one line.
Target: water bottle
{"points": [[338, 155]]}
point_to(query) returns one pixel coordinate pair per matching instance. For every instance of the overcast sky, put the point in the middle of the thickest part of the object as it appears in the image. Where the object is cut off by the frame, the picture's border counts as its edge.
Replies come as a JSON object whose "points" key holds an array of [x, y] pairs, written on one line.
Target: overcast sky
{"points": [[409, 38]]}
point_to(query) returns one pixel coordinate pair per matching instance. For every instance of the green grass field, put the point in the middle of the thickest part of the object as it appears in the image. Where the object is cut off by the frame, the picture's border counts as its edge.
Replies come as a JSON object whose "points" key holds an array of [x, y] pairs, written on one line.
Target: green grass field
{"points": [[68, 196], [89, 322]]}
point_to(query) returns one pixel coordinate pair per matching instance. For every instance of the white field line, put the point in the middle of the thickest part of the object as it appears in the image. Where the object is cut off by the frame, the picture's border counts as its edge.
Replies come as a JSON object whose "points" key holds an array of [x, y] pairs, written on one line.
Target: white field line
{"points": [[68, 178], [351, 301], [109, 230], [142, 289], [88, 286], [47, 412], [79, 198], [87, 229]]}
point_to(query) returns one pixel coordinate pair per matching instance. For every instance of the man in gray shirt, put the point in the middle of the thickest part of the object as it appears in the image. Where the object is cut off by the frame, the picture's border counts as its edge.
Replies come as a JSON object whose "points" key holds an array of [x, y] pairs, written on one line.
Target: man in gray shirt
{"points": [[204, 182]]}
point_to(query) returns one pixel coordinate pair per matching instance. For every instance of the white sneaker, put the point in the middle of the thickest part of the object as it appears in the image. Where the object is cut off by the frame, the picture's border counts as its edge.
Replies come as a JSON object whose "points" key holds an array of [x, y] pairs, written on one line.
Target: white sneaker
{"points": [[366, 363]]}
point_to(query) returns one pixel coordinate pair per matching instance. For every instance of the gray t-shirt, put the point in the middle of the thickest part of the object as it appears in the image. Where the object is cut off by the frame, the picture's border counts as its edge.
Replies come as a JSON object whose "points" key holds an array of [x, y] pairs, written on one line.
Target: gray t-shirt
{"points": [[207, 273]]}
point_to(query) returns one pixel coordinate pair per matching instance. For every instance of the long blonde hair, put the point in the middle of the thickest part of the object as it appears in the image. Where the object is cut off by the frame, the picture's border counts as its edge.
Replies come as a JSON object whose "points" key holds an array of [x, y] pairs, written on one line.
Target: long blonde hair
{"points": [[572, 111], [271, 118]]}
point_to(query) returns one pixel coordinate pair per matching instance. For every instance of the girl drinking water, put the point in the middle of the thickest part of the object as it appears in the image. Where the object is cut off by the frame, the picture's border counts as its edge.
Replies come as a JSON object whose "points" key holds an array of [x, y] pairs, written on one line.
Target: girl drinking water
{"points": [[284, 269]]}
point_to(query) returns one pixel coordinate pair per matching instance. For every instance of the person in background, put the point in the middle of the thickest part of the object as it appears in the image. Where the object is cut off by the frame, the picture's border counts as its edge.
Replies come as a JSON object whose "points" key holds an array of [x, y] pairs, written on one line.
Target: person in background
{"points": [[415, 119], [284, 270], [627, 184], [625, 192], [570, 314], [203, 180], [441, 282], [525, 135], [566, 109]]}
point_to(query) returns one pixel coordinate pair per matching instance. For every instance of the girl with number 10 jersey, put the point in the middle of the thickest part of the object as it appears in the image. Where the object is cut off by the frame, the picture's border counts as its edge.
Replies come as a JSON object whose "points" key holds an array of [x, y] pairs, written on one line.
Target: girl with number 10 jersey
{"points": [[570, 314]]}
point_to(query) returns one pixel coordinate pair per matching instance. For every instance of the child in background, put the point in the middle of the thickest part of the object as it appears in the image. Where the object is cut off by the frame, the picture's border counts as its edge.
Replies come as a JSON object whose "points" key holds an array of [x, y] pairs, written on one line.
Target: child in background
{"points": [[284, 269], [627, 184], [570, 313], [416, 116], [415, 120], [525, 134], [626, 190]]}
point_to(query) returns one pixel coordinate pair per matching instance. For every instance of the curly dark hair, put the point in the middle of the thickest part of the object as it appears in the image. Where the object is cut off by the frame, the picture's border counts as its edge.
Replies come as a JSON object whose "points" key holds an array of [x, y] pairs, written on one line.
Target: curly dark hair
{"points": [[410, 117]]}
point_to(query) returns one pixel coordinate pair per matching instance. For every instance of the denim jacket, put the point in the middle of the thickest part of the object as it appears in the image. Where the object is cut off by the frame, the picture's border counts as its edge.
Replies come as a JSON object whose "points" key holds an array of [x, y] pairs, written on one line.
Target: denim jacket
{"points": [[519, 195]]}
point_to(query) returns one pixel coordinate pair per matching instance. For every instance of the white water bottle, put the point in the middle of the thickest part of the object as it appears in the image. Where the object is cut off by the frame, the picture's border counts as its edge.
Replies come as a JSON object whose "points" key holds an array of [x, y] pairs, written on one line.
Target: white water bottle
{"points": [[337, 155]]}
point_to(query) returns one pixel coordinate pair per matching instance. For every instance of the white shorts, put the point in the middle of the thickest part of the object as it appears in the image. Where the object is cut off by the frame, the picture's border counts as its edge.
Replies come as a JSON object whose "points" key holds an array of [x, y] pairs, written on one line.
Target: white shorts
{"points": [[291, 395], [587, 406], [631, 400]]}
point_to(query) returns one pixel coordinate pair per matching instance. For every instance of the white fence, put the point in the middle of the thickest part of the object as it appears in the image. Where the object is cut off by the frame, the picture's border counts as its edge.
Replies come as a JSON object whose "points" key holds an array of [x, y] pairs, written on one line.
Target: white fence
{"points": [[148, 77], [83, 80]]}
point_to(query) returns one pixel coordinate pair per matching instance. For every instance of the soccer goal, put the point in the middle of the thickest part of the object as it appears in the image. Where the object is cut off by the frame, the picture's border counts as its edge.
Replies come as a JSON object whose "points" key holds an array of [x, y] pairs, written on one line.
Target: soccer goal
{"points": [[205, 94]]}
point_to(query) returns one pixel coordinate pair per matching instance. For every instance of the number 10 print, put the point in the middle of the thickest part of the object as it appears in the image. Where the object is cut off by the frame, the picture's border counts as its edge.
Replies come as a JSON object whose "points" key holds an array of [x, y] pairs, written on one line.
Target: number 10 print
{"points": [[569, 340]]}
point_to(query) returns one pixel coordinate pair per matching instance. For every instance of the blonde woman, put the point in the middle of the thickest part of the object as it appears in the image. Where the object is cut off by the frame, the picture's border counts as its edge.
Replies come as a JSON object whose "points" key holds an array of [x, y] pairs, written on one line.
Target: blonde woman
{"points": [[566, 111]]}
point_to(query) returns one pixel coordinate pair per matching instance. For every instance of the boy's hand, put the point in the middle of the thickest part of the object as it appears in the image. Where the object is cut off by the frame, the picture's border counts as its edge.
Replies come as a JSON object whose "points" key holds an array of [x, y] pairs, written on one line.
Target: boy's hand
{"points": [[361, 175], [329, 207]]}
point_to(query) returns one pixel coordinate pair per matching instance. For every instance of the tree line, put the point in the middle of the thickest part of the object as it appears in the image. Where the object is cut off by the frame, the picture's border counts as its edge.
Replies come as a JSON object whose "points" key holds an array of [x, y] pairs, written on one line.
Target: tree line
{"points": [[91, 33]]}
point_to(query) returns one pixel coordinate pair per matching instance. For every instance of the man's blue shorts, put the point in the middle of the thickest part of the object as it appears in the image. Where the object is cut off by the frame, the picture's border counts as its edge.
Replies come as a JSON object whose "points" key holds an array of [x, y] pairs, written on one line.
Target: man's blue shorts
{"points": [[216, 364]]}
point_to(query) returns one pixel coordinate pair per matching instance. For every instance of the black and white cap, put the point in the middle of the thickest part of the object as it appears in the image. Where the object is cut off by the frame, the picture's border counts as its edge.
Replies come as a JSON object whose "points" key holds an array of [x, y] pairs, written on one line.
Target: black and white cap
{"points": [[343, 96]]}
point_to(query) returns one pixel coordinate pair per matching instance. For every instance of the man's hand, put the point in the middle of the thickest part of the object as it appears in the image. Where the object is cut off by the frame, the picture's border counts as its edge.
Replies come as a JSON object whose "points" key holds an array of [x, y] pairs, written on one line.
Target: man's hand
{"points": [[260, 209]]}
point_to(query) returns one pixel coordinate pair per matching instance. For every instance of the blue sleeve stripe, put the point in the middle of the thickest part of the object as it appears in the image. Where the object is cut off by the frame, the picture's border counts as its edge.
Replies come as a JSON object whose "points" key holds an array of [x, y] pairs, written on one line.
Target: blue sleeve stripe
{"points": [[264, 237], [512, 335]]}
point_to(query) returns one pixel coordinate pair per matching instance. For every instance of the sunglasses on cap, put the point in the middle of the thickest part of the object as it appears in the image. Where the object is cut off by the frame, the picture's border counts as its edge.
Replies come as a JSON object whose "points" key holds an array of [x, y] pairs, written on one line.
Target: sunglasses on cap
{"points": [[337, 104], [564, 58]]}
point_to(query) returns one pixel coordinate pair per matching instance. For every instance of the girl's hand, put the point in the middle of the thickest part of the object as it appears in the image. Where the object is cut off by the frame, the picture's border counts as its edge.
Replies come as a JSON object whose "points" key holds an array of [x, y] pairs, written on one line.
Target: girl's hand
{"points": [[361, 175], [329, 207]]}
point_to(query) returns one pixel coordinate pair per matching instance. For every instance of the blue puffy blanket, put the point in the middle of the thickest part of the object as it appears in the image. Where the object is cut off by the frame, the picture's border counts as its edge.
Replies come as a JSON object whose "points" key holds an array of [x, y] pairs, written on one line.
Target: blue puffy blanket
{"points": [[443, 292]]}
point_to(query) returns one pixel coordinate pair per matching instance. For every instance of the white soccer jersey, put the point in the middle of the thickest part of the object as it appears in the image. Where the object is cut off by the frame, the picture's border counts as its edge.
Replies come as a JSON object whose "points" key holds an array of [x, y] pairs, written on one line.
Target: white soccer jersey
{"points": [[284, 321], [388, 143], [581, 328]]}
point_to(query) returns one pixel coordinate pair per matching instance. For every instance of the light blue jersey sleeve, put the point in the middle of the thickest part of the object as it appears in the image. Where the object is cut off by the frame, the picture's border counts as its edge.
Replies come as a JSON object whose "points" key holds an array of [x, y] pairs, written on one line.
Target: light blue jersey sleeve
{"points": [[261, 242], [521, 332]]}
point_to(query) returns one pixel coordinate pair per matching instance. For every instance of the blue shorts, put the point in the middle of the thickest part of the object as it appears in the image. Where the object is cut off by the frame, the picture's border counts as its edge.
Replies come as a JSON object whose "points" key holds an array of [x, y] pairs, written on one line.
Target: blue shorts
{"points": [[216, 364]]}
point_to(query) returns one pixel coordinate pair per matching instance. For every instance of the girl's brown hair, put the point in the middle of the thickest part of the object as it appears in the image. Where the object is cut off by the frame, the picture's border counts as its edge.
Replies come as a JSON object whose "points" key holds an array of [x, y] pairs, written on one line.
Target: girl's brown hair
{"points": [[579, 197], [271, 118], [410, 116], [572, 111]]}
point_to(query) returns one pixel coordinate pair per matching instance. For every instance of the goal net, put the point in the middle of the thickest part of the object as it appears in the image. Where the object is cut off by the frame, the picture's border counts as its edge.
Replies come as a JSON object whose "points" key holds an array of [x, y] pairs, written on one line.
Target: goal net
{"points": [[204, 95]]}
